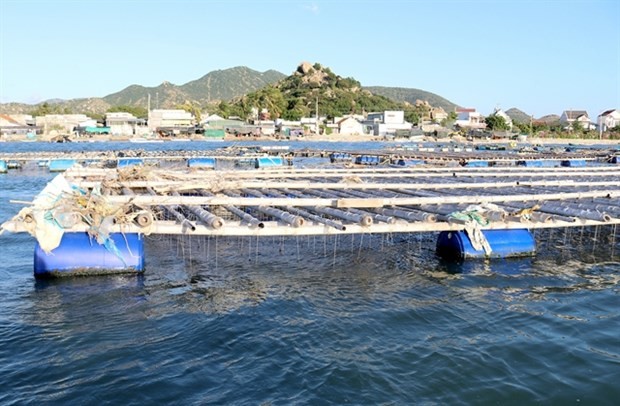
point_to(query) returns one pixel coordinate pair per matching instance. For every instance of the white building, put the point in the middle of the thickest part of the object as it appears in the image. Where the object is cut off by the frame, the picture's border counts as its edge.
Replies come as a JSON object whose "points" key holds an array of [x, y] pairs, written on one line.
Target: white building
{"points": [[17, 124], [501, 113], [569, 117], [349, 126], [469, 118], [608, 119], [387, 122], [265, 127], [169, 119], [125, 124], [212, 118]]}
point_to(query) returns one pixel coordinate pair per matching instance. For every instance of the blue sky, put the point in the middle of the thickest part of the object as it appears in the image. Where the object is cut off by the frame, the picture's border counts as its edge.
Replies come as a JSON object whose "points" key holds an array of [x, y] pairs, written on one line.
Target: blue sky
{"points": [[542, 57]]}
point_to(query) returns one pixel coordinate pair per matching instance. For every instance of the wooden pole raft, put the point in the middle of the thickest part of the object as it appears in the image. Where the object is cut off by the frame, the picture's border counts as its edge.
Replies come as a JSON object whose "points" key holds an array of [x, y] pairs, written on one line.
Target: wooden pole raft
{"points": [[324, 201]]}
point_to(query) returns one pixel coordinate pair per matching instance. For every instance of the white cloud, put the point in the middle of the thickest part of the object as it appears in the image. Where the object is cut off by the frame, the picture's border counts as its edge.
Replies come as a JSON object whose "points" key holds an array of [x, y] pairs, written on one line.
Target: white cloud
{"points": [[313, 8]]}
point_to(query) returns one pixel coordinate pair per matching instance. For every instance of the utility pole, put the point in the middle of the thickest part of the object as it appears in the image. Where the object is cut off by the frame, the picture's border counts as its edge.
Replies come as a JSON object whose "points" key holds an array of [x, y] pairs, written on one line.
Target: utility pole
{"points": [[317, 115]]}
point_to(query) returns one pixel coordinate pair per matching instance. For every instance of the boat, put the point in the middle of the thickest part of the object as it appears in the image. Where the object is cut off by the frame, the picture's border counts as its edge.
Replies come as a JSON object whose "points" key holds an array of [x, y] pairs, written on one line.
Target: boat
{"points": [[141, 140]]}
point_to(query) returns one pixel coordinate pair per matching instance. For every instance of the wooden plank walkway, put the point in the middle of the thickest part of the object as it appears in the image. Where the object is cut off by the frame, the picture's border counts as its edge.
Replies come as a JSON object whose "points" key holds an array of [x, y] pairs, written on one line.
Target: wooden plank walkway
{"points": [[324, 201]]}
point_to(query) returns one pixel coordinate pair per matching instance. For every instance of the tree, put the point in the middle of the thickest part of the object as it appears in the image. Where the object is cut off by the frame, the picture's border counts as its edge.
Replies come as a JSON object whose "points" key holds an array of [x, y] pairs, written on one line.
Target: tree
{"points": [[495, 122], [412, 116], [192, 108], [46, 108], [577, 126], [270, 98], [450, 120], [223, 109]]}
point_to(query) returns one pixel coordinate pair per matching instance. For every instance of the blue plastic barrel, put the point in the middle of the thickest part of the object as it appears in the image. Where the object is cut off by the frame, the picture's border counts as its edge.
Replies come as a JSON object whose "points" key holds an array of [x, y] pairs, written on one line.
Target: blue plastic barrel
{"points": [[201, 163], [455, 245], [574, 162], [367, 160], [477, 164], [60, 165], [3, 166], [80, 254], [129, 162], [410, 162], [340, 157], [538, 163], [269, 161]]}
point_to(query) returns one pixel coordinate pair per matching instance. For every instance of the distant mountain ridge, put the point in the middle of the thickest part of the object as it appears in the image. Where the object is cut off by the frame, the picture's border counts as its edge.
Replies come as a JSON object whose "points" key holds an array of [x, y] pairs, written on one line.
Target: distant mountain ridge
{"points": [[411, 95], [218, 85], [518, 116]]}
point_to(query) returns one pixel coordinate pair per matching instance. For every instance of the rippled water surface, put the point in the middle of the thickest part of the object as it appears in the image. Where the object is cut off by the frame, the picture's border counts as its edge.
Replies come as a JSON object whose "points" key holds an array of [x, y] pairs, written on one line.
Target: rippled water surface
{"points": [[373, 319]]}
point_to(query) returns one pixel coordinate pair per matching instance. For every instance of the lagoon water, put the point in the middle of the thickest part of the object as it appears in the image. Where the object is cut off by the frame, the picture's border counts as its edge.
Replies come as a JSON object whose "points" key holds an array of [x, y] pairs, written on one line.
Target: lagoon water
{"points": [[310, 320]]}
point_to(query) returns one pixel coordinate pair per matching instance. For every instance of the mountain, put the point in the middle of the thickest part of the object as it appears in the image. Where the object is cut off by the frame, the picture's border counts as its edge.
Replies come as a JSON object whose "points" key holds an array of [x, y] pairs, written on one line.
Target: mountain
{"points": [[518, 116], [228, 84], [217, 85], [341, 95], [550, 118], [315, 86], [309, 87], [410, 95], [164, 96]]}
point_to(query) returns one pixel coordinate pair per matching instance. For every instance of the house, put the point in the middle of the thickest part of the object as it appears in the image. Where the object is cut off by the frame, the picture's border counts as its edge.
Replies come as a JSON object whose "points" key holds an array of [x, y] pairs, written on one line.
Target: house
{"points": [[215, 122], [608, 119], [121, 123], [469, 118], [17, 124], [387, 122], [212, 118], [173, 120], [264, 127], [569, 117], [64, 123], [349, 125], [502, 114]]}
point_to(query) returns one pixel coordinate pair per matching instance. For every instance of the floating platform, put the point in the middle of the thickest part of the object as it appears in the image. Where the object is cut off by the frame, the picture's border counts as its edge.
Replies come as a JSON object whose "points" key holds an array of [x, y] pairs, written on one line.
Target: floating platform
{"points": [[282, 200]]}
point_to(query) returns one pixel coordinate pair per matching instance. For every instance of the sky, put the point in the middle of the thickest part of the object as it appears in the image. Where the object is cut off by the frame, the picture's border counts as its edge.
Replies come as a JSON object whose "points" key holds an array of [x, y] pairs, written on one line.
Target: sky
{"points": [[540, 56]]}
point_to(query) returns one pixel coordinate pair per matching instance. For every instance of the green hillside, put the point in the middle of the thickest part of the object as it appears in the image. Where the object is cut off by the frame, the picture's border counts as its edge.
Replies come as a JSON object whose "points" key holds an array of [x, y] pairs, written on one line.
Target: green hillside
{"points": [[228, 84], [217, 85], [297, 96], [402, 94]]}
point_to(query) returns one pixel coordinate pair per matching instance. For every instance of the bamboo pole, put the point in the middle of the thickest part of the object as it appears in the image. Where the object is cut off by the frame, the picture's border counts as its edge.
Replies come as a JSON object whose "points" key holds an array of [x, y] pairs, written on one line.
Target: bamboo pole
{"points": [[164, 186], [251, 220], [209, 219], [175, 213], [359, 202], [363, 219], [290, 219]]}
